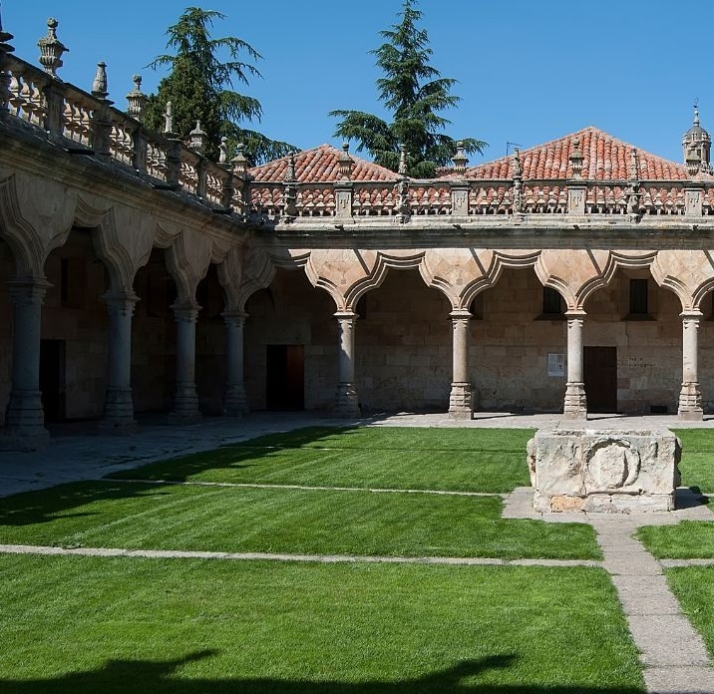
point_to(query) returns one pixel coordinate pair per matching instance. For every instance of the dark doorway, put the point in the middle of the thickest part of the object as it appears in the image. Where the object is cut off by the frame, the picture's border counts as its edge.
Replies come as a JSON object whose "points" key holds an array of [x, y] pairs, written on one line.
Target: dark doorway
{"points": [[52, 379], [600, 375], [286, 377]]}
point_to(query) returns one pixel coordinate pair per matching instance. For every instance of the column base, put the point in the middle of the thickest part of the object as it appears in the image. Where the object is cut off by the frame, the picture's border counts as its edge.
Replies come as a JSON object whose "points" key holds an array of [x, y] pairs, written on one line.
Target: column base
{"points": [[690, 403], [24, 423], [461, 401], [118, 412], [575, 405], [347, 402], [235, 401], [185, 409], [24, 440]]}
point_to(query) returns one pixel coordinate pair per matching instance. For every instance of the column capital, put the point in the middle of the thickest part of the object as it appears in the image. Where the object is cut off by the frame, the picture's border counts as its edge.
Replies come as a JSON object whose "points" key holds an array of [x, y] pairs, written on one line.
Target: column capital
{"points": [[234, 317], [461, 314], [693, 314], [28, 289], [575, 314], [185, 311], [345, 315], [121, 301]]}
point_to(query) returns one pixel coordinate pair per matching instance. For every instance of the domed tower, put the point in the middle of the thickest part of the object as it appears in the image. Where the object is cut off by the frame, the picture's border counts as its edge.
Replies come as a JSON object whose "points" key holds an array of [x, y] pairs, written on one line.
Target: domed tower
{"points": [[696, 146]]}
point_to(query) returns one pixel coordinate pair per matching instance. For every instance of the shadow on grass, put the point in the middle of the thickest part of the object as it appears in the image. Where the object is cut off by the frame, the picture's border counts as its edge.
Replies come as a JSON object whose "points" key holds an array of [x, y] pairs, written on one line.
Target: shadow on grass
{"points": [[137, 677], [43, 506]]}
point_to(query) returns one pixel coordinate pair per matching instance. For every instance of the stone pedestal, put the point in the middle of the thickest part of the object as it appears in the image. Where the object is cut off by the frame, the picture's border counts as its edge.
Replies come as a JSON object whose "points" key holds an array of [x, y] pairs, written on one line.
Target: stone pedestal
{"points": [[604, 471]]}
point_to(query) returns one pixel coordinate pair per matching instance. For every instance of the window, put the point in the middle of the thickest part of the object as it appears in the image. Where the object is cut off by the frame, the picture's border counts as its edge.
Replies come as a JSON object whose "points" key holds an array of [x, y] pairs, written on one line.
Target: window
{"points": [[552, 303], [638, 298], [476, 307], [361, 308]]}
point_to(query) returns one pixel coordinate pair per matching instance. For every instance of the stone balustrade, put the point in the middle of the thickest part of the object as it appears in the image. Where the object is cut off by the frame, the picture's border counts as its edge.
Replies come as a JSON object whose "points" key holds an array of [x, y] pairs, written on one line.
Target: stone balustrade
{"points": [[89, 124]]}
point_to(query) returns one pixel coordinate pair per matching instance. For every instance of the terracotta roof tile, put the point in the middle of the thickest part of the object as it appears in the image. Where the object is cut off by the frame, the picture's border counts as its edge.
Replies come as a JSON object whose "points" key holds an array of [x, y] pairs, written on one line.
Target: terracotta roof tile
{"points": [[320, 165], [605, 159]]}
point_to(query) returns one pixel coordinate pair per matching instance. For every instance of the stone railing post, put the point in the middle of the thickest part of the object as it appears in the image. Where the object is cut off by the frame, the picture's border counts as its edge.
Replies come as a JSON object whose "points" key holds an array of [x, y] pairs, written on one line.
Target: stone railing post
{"points": [[461, 397], [460, 198], [693, 200], [185, 407], [235, 401], [346, 402], [690, 398], [118, 404], [24, 419], [575, 404]]}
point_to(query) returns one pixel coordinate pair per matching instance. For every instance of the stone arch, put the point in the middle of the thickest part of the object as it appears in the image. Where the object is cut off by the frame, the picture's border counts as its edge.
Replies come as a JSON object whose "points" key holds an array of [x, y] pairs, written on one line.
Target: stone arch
{"points": [[35, 218], [688, 273], [611, 261], [187, 259]]}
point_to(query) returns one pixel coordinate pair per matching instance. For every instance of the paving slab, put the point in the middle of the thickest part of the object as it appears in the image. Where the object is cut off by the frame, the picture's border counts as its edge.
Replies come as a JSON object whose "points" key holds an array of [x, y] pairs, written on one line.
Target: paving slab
{"points": [[679, 680]]}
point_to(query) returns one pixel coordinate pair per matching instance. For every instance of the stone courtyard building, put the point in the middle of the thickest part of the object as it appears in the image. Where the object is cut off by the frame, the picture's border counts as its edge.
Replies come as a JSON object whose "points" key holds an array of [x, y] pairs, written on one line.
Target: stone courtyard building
{"points": [[137, 276]]}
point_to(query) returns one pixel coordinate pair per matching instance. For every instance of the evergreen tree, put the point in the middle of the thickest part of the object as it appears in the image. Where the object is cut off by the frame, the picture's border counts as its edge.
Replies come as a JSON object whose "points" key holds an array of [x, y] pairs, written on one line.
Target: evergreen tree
{"points": [[200, 88], [415, 93]]}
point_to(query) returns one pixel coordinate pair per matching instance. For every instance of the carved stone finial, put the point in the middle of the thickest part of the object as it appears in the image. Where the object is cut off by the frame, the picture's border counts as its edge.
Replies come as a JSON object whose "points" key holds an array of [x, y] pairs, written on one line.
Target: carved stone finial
{"points": [[5, 47], [51, 49], [345, 162], [100, 84], [136, 100], [239, 162], [634, 165], [517, 170], [223, 152], [198, 139], [169, 120], [402, 171], [290, 170], [460, 159], [576, 159]]}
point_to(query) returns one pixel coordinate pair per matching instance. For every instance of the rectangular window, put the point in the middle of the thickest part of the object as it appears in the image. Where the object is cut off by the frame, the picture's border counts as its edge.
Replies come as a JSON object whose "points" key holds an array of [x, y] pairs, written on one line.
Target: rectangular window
{"points": [[638, 298], [552, 302]]}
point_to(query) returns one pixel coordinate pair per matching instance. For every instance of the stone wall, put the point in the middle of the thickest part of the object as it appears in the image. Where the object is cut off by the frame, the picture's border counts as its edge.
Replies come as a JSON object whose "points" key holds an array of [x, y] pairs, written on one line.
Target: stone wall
{"points": [[292, 312], [403, 346]]}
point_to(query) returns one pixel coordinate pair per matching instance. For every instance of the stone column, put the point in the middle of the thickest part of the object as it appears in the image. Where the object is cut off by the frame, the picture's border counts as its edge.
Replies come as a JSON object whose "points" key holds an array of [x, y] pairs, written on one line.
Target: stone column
{"points": [[461, 397], [25, 419], [575, 405], [346, 401], [118, 404], [185, 408], [690, 397], [235, 401]]}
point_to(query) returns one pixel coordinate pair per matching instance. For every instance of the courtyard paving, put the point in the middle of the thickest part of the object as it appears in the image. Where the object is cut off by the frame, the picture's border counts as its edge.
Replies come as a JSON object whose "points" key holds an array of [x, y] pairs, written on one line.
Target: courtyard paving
{"points": [[673, 653]]}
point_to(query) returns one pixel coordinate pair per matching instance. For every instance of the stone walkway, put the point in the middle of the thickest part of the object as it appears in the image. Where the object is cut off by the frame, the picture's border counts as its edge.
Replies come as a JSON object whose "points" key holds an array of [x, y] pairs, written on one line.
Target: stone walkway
{"points": [[673, 653]]}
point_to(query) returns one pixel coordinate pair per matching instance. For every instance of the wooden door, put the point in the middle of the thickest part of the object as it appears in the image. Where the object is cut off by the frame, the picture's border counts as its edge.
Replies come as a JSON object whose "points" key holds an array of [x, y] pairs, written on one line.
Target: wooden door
{"points": [[600, 375]]}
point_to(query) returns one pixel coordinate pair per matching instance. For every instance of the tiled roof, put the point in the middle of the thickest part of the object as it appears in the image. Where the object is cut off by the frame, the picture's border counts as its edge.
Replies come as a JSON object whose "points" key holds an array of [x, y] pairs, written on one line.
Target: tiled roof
{"points": [[605, 158], [320, 165]]}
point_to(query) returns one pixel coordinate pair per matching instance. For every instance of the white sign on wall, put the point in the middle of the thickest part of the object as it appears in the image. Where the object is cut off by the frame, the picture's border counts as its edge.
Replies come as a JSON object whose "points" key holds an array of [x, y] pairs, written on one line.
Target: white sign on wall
{"points": [[556, 365]]}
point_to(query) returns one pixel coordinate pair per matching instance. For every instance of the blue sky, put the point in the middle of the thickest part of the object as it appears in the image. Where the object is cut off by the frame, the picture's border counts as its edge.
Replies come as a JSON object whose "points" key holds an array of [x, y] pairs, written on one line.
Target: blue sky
{"points": [[528, 71]]}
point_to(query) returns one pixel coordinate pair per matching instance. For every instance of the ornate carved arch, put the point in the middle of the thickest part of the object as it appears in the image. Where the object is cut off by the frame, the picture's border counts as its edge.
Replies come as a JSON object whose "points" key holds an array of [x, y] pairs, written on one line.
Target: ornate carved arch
{"points": [[34, 220]]}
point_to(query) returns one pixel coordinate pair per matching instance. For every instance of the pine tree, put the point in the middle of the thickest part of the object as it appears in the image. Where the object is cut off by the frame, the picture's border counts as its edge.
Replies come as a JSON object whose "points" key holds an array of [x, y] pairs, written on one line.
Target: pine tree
{"points": [[415, 93], [200, 88]]}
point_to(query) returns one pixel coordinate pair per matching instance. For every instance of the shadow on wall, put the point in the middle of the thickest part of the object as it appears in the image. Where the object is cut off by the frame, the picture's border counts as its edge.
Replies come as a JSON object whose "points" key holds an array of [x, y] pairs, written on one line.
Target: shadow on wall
{"points": [[140, 676]]}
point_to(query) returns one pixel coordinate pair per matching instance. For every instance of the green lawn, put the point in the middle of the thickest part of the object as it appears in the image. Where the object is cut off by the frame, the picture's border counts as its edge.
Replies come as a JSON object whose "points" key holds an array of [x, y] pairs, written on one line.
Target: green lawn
{"points": [[697, 466], [85, 625], [190, 517], [694, 588], [485, 460], [686, 540]]}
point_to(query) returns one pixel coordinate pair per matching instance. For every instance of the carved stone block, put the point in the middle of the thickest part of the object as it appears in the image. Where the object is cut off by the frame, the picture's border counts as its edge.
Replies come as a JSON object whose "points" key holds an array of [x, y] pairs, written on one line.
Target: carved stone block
{"points": [[604, 471]]}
